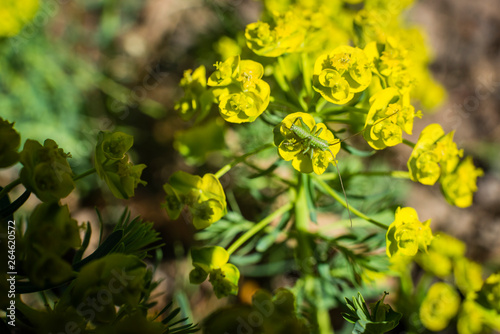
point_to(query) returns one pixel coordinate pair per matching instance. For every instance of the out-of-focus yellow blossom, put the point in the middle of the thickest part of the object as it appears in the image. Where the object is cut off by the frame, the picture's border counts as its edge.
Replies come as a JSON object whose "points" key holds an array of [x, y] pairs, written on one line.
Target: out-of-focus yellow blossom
{"points": [[204, 197], [468, 275], [339, 74], [212, 261], [197, 98], [14, 14], [285, 35], [390, 114], [239, 90], [459, 185], [406, 234], [227, 47], [436, 263], [400, 263], [475, 319], [50, 234], [101, 274], [303, 151], [393, 58], [491, 291], [9, 144], [439, 306], [443, 251], [448, 245], [113, 165], [434, 154], [401, 60]]}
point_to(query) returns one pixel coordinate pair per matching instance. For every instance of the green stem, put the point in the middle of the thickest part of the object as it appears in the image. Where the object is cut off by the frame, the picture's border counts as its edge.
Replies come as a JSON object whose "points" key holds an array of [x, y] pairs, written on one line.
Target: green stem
{"points": [[306, 75], [236, 161], [313, 104], [341, 200], [290, 90], [324, 321], [409, 143], [383, 83], [82, 175], [277, 177], [302, 221], [9, 187], [281, 103], [257, 227]]}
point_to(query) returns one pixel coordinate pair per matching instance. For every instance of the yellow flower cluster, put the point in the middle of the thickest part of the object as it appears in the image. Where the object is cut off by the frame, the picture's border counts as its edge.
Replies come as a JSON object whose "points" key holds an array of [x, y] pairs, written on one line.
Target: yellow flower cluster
{"points": [[436, 157], [407, 234], [113, 166], [239, 90], [203, 196], [439, 306], [480, 311], [390, 114], [311, 147], [14, 14], [213, 261], [197, 98], [341, 73], [286, 35]]}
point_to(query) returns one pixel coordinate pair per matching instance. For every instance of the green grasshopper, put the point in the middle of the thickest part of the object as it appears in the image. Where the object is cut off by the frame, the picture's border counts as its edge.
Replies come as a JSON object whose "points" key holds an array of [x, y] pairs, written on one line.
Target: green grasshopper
{"points": [[312, 141]]}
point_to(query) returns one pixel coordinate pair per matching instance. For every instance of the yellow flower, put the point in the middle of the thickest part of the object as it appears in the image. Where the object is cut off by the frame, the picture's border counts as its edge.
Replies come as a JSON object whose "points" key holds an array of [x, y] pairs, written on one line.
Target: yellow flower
{"points": [[46, 171], [113, 165], [406, 234], [468, 275], [434, 154], [286, 36], [459, 185], [440, 305], [475, 319], [241, 93], [197, 98], [390, 114], [212, 261], [10, 140], [443, 251], [310, 153], [341, 73], [14, 14], [242, 106], [491, 291], [204, 197]]}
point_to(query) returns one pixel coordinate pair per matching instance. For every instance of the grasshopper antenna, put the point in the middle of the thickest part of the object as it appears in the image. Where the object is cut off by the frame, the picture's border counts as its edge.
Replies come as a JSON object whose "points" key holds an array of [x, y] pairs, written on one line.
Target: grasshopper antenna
{"points": [[343, 189]]}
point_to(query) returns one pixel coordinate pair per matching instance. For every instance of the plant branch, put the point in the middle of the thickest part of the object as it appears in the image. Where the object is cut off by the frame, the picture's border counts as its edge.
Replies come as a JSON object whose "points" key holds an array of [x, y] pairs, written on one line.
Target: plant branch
{"points": [[257, 227], [409, 143], [84, 174], [9, 187], [341, 200], [236, 161]]}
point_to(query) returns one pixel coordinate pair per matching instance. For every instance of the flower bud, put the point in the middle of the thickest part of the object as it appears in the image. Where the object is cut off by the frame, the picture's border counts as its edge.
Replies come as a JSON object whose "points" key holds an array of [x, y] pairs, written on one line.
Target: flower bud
{"points": [[46, 171], [9, 144]]}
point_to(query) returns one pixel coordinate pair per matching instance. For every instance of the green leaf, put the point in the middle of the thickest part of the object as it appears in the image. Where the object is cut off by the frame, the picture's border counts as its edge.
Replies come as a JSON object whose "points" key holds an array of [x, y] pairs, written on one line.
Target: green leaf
{"points": [[105, 248], [382, 318]]}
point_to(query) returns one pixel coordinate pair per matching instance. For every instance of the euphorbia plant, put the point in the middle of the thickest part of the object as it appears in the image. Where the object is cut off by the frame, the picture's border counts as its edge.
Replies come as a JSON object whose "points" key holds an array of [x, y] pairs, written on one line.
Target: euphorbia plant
{"points": [[313, 71]]}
